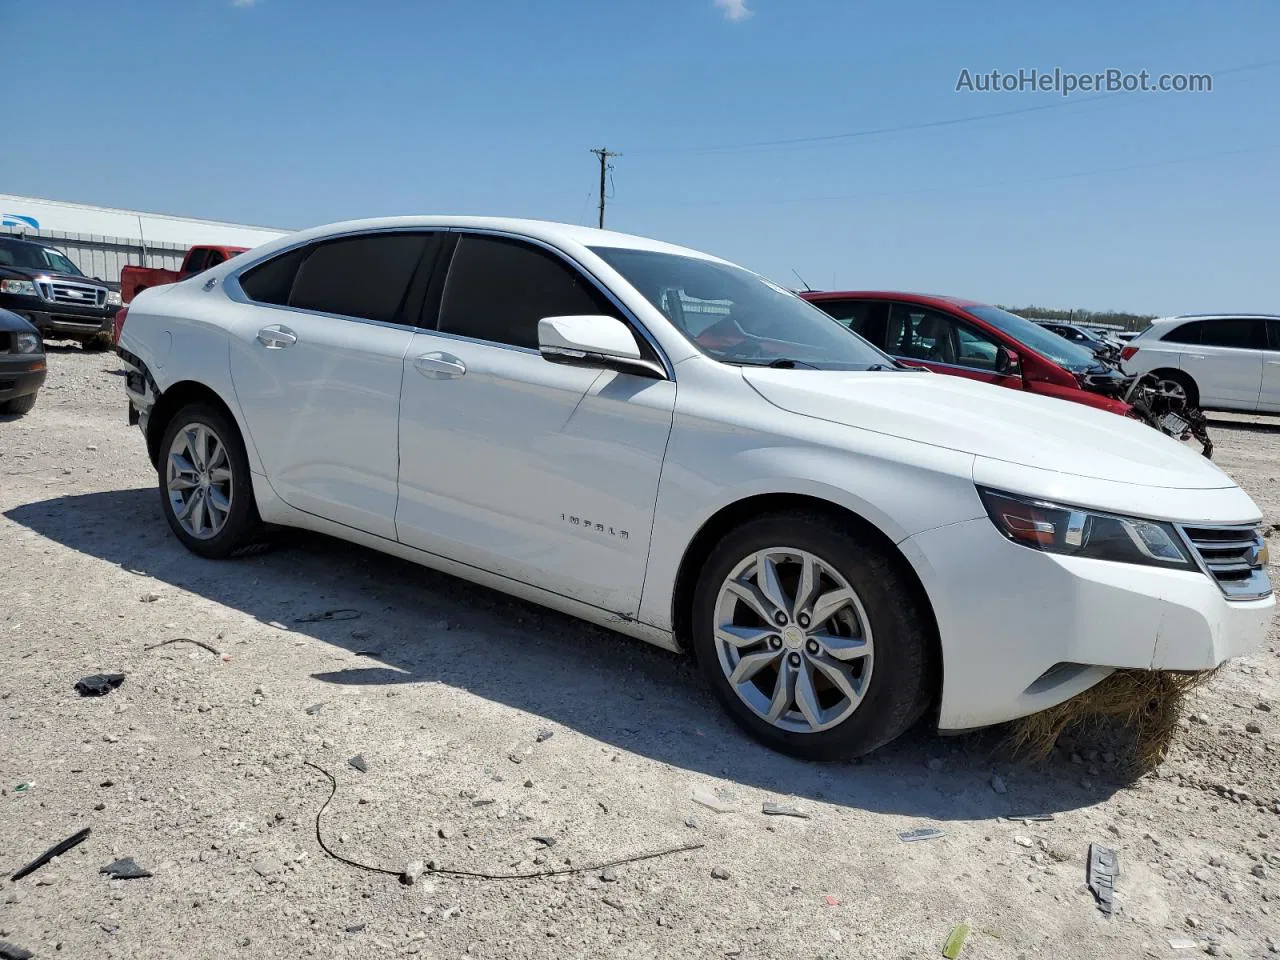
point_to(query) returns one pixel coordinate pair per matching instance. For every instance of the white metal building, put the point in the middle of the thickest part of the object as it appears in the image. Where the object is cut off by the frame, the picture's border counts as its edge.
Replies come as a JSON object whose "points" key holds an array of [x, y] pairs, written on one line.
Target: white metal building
{"points": [[101, 240]]}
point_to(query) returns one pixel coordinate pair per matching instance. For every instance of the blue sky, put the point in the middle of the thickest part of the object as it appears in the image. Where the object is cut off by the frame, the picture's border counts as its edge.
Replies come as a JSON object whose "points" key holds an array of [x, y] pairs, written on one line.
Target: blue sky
{"points": [[297, 112]]}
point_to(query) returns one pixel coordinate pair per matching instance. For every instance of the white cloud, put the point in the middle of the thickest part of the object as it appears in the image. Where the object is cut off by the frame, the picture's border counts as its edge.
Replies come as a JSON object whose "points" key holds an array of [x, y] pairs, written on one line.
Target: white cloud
{"points": [[733, 9]]}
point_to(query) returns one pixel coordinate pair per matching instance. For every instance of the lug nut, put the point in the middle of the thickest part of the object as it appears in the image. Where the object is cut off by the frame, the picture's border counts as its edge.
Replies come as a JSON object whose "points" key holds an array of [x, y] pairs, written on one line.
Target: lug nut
{"points": [[780, 618], [775, 643], [812, 647], [793, 659], [803, 620]]}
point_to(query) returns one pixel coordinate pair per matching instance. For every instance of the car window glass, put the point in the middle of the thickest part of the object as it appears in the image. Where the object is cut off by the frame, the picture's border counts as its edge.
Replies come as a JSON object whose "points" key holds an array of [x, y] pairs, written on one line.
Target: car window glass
{"points": [[271, 281], [854, 314], [1273, 334], [215, 258], [196, 262], [498, 290], [1236, 332], [364, 276], [921, 334], [1187, 333], [974, 348]]}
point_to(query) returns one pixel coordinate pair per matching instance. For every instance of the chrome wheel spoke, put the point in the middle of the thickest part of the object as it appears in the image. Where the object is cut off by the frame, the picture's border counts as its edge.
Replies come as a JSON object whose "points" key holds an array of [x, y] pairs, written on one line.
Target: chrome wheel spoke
{"points": [[807, 698], [219, 475], [188, 508], [829, 604], [181, 482], [808, 586], [783, 692], [842, 648], [742, 637], [752, 664], [840, 679], [219, 502], [750, 594], [770, 585]]}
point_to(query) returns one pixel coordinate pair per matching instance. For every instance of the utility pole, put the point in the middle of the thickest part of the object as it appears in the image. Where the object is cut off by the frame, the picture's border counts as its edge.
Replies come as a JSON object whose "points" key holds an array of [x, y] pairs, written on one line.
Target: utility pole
{"points": [[605, 155]]}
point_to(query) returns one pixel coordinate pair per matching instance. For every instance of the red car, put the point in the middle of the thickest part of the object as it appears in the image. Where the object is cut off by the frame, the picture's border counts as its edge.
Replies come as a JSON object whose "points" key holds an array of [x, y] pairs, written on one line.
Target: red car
{"points": [[969, 339]]}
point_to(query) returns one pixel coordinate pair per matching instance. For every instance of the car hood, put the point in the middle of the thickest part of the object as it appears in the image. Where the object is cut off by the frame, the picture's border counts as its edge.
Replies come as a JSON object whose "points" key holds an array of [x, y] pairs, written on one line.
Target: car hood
{"points": [[10, 322], [30, 273], [992, 422]]}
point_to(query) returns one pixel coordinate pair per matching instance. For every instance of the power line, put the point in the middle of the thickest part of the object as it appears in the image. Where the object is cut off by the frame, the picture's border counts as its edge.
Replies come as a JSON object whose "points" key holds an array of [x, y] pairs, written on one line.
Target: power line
{"points": [[930, 124], [605, 154]]}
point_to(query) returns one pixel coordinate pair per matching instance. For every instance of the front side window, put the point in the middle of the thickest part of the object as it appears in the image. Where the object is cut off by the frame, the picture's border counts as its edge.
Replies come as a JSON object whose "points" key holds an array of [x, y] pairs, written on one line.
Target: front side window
{"points": [[498, 289], [921, 333], [734, 316]]}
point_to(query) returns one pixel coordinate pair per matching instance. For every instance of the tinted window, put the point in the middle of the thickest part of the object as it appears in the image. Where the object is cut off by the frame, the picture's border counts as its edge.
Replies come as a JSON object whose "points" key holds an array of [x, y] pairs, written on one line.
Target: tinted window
{"points": [[499, 289], [215, 258], [1187, 333], [1232, 333], [1273, 334], [363, 277], [925, 334], [1072, 356], [854, 314], [196, 262], [271, 282]]}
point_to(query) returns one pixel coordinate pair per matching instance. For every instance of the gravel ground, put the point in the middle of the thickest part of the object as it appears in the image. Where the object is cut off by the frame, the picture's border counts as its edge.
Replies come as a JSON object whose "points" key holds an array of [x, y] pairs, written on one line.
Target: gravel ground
{"points": [[487, 723]]}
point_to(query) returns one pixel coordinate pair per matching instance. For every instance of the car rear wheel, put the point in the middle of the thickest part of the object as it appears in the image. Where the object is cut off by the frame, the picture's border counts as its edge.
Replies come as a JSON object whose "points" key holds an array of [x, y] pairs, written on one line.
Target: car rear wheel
{"points": [[811, 638], [19, 405], [205, 489], [1178, 384]]}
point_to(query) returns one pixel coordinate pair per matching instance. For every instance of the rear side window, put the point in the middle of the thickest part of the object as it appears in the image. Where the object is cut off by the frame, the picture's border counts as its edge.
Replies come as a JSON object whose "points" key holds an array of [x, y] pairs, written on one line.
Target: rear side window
{"points": [[498, 290], [272, 281], [364, 277], [1236, 332]]}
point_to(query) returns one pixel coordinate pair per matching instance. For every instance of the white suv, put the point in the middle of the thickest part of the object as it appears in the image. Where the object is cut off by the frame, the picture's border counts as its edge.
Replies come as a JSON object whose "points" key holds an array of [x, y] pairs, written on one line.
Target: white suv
{"points": [[1227, 361], [666, 444]]}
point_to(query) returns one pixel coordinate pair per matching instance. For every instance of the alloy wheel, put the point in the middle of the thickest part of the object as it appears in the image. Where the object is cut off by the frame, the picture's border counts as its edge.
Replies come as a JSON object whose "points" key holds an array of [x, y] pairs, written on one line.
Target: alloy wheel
{"points": [[198, 481], [1173, 388], [793, 639]]}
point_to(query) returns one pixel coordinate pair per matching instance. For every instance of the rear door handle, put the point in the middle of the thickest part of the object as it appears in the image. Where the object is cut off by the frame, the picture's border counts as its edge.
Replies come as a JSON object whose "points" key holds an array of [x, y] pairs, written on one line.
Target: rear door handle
{"points": [[1194, 356], [440, 366], [277, 337]]}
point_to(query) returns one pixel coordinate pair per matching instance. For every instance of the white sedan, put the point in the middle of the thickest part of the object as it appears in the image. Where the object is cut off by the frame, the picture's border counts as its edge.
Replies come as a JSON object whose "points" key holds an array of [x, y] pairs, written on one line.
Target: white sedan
{"points": [[666, 444]]}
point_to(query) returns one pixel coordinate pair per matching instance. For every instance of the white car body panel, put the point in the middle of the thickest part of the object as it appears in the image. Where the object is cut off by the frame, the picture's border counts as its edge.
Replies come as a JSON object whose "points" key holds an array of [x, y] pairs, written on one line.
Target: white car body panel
{"points": [[483, 475]]}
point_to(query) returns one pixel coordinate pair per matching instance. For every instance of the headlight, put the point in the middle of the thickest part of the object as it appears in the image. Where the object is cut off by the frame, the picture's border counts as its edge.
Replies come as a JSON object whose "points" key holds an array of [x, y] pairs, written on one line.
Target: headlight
{"points": [[23, 288], [113, 299], [1077, 532], [27, 343]]}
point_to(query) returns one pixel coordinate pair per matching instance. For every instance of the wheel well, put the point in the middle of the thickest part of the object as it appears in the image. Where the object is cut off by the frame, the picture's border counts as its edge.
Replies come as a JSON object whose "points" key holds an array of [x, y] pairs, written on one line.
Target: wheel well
{"points": [[179, 395], [1177, 374], [699, 550]]}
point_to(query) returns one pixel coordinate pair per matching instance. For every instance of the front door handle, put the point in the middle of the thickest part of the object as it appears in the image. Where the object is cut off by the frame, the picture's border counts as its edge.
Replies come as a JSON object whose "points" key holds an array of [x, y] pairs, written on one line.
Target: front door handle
{"points": [[1193, 356], [277, 337], [440, 366]]}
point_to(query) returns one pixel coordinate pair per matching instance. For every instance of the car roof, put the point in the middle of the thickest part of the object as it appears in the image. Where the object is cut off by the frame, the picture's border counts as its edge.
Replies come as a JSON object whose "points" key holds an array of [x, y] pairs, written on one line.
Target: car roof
{"points": [[556, 234], [1183, 317], [928, 299]]}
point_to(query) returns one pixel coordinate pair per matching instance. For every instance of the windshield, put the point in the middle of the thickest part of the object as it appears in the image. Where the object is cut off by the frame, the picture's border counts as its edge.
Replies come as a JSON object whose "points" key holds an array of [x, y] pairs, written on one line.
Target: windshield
{"points": [[735, 316], [32, 256], [1040, 339]]}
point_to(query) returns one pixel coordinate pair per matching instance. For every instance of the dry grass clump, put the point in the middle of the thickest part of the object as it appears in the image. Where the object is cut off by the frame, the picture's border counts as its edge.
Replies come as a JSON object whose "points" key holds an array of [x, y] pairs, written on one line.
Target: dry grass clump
{"points": [[1145, 705]]}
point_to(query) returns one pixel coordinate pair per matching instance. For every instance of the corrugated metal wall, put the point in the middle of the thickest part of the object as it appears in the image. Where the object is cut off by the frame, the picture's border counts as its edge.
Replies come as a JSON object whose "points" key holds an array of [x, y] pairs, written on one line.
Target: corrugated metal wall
{"points": [[103, 257]]}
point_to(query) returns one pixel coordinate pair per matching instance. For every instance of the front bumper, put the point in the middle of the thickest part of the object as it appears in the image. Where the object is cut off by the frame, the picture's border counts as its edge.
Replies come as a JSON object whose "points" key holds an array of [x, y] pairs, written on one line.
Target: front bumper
{"points": [[1022, 631], [61, 318], [21, 374]]}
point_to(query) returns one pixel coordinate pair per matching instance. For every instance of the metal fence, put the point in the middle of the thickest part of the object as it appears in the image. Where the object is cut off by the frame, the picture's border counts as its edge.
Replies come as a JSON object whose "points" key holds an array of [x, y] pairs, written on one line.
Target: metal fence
{"points": [[103, 257]]}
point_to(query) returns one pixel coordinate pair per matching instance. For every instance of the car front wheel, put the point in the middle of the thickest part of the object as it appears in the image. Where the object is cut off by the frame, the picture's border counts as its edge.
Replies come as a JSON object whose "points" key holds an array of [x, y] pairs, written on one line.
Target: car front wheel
{"points": [[811, 637], [205, 489]]}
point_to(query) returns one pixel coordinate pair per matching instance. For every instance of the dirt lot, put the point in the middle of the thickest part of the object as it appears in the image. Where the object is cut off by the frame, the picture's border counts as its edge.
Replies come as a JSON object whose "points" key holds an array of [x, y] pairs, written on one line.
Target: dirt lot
{"points": [[486, 723]]}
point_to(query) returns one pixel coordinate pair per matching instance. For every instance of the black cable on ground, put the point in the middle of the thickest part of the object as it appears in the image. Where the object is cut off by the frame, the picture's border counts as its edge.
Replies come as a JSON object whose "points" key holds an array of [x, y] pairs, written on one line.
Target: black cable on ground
{"points": [[476, 874]]}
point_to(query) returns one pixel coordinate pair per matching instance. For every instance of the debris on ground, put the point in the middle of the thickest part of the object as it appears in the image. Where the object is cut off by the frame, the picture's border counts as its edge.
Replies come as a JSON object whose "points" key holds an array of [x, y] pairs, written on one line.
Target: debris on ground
{"points": [[771, 809], [1024, 841], [954, 943], [544, 735], [921, 833], [125, 869], [831, 901], [22, 788], [1182, 943], [546, 841], [314, 709], [356, 927], [199, 643], [57, 850], [327, 615], [1146, 704], [9, 951], [1027, 818], [719, 873], [412, 871], [1100, 875], [705, 798], [359, 763], [99, 684]]}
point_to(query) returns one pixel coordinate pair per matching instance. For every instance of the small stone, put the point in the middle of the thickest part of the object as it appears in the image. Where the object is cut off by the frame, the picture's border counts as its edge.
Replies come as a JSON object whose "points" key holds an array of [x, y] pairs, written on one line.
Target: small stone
{"points": [[528, 784], [99, 807], [1252, 728], [719, 873], [515, 758], [1259, 871], [997, 784], [1263, 706], [609, 875], [412, 871], [446, 833], [1023, 841], [358, 762], [544, 735], [1215, 861], [610, 902], [1214, 950], [691, 823], [1201, 718], [268, 867]]}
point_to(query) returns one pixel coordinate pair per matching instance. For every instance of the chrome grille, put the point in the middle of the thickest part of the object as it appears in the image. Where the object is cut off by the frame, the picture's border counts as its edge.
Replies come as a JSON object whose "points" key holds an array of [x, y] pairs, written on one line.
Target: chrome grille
{"points": [[80, 294], [1236, 557]]}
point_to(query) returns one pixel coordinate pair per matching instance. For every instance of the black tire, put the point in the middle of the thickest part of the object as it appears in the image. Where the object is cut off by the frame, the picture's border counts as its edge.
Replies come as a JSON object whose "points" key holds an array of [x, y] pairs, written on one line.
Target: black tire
{"points": [[901, 685], [1184, 381], [243, 531], [19, 405], [97, 343]]}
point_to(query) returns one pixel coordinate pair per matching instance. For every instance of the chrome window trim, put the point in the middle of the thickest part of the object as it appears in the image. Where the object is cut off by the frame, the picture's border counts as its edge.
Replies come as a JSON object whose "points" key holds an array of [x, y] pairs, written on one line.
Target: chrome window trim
{"points": [[234, 292]]}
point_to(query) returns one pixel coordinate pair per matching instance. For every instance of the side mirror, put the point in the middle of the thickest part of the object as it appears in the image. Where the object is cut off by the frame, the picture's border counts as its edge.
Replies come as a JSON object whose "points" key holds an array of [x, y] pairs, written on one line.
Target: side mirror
{"points": [[593, 341], [1008, 363]]}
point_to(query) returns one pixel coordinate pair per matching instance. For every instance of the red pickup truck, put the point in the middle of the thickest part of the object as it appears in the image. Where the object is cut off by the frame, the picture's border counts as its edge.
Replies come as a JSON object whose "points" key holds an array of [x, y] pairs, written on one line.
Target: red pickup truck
{"points": [[133, 280]]}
